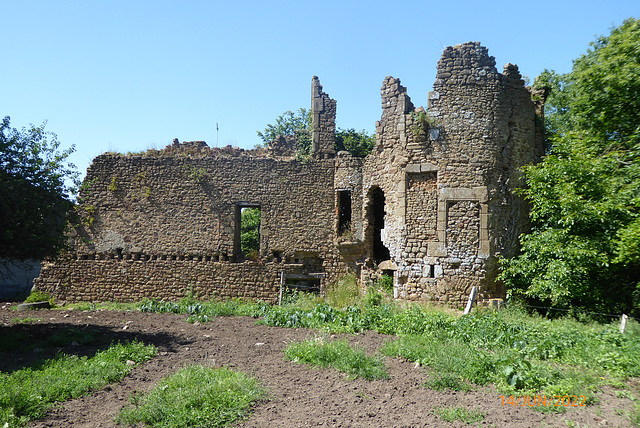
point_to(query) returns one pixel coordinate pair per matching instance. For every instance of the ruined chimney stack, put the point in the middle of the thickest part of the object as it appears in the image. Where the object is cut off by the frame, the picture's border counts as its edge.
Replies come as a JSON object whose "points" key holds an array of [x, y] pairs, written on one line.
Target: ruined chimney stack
{"points": [[323, 111]]}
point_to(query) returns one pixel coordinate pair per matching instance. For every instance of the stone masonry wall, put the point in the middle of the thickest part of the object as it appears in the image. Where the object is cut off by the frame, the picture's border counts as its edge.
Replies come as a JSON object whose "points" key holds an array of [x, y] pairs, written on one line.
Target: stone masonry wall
{"points": [[176, 217], [433, 203], [323, 111], [185, 205], [134, 280], [465, 150]]}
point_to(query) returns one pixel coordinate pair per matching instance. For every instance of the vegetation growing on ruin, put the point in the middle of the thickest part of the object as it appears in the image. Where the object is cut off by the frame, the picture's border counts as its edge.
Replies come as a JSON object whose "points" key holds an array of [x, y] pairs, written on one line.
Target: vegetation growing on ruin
{"points": [[39, 296], [584, 248], [422, 124]]}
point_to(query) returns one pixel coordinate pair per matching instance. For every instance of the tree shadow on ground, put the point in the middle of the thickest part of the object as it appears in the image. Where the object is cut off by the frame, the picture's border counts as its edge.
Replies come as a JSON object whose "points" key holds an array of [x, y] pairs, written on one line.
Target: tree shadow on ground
{"points": [[29, 344]]}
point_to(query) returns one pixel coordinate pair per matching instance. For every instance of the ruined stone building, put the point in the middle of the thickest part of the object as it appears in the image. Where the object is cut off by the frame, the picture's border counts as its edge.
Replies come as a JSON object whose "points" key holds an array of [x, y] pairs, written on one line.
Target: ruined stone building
{"points": [[433, 204]]}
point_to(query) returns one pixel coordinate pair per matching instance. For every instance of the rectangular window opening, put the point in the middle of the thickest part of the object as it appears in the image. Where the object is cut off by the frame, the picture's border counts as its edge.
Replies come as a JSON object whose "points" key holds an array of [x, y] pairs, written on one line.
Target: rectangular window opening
{"points": [[344, 212], [247, 232]]}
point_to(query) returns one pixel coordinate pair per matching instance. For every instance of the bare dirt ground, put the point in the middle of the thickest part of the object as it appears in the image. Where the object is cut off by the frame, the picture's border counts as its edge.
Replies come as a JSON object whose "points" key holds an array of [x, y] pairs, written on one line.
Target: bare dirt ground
{"points": [[298, 395]]}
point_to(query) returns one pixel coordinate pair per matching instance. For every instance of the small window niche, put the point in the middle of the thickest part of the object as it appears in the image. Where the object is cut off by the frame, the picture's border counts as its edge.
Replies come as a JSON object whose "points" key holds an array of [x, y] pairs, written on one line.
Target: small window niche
{"points": [[344, 213], [247, 231]]}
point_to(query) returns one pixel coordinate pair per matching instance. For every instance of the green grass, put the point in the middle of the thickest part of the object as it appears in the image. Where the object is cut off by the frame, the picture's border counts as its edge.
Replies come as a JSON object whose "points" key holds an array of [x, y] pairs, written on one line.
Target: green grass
{"points": [[195, 396], [339, 355], [518, 352], [344, 293], [450, 414], [27, 394], [92, 306]]}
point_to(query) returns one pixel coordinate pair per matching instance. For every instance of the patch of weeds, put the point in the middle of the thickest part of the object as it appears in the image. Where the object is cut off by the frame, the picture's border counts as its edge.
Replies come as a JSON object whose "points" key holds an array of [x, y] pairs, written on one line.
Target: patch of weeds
{"points": [[294, 298], [345, 292], [451, 362], [462, 414], [28, 393], [635, 416], [39, 296], [339, 355], [195, 396], [445, 381], [622, 393], [385, 283]]}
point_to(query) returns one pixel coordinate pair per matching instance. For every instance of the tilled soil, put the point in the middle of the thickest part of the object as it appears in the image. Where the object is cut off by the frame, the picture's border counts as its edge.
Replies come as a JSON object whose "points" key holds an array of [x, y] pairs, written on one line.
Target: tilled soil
{"points": [[298, 395]]}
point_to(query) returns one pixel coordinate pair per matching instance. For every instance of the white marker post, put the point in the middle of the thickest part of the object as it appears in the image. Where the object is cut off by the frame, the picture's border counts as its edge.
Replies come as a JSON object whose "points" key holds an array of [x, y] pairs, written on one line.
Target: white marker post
{"points": [[472, 297]]}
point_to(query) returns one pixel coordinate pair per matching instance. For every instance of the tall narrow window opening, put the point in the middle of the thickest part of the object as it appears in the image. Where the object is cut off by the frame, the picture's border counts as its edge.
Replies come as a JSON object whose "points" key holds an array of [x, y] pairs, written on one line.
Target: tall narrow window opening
{"points": [[376, 215], [344, 211], [247, 232]]}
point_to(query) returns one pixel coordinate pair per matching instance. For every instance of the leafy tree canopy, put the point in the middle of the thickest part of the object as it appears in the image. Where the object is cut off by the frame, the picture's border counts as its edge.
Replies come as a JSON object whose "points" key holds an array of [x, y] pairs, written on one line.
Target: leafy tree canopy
{"points": [[287, 124], [250, 232], [34, 194], [298, 124], [584, 248], [358, 143]]}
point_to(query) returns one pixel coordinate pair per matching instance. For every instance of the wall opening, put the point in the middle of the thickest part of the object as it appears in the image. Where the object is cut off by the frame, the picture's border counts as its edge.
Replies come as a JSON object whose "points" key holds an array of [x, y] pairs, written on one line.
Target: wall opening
{"points": [[247, 232], [344, 211], [375, 216]]}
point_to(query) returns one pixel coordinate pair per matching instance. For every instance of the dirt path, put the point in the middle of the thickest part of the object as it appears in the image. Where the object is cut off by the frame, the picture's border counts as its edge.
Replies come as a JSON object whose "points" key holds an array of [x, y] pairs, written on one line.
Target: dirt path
{"points": [[299, 396]]}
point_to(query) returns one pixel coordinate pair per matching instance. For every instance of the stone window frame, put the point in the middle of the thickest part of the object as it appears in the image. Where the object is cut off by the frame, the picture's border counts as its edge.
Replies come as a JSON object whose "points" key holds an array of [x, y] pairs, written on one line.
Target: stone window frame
{"points": [[473, 194]]}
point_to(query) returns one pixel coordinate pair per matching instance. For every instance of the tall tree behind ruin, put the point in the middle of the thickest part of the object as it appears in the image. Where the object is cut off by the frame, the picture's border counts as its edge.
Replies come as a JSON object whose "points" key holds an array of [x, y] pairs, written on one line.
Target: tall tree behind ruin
{"points": [[584, 249], [34, 195]]}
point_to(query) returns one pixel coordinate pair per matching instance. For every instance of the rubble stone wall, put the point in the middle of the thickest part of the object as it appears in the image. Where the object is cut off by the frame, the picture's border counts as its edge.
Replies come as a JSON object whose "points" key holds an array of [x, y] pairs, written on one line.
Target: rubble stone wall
{"points": [[463, 152], [433, 203], [134, 280]]}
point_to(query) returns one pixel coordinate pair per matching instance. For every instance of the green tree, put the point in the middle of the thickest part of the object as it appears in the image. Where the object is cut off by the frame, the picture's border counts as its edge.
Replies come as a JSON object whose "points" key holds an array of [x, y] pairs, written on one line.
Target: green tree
{"points": [[34, 194], [358, 143], [299, 124], [250, 232], [584, 248]]}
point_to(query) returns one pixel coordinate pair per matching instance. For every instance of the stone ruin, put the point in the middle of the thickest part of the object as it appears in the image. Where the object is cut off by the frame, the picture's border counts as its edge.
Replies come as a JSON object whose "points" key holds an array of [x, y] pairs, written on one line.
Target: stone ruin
{"points": [[433, 204]]}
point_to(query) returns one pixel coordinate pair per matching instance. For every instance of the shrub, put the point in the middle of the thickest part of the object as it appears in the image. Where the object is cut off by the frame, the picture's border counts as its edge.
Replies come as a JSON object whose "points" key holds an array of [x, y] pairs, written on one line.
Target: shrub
{"points": [[39, 296]]}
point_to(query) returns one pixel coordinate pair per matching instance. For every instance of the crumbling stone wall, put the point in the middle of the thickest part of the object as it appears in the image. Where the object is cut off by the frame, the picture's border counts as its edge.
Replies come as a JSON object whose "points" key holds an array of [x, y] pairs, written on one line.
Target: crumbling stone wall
{"points": [[323, 111], [433, 203], [464, 150], [171, 222]]}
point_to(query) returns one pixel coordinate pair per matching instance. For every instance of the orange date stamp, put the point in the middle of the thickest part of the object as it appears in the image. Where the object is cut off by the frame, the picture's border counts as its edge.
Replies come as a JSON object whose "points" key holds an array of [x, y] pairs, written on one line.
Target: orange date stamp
{"points": [[543, 400]]}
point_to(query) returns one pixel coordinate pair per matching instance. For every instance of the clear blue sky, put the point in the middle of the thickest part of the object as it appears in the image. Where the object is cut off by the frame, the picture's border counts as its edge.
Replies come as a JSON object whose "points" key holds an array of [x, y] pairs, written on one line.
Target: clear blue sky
{"points": [[131, 75]]}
